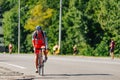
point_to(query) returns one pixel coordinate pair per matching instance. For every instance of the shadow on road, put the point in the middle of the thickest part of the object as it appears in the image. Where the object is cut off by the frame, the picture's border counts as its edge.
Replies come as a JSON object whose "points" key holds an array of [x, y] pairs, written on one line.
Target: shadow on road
{"points": [[77, 74], [66, 76]]}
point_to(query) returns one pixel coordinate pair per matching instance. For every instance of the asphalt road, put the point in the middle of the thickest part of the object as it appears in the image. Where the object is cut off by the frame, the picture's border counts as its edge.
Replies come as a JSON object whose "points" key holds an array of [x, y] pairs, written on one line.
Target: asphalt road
{"points": [[60, 68]]}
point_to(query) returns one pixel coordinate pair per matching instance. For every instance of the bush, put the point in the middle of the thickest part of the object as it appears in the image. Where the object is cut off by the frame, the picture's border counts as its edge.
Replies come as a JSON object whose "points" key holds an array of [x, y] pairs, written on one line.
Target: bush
{"points": [[101, 49], [88, 51]]}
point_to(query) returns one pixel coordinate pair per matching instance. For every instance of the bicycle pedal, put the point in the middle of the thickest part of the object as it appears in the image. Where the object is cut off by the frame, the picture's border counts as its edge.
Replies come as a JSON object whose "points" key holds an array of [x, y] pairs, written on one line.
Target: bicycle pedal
{"points": [[44, 61], [41, 66], [36, 71]]}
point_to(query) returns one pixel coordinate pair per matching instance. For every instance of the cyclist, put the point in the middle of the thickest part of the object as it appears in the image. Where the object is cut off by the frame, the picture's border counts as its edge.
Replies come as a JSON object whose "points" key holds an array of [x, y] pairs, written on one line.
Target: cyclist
{"points": [[75, 50], [38, 40], [56, 49], [10, 48], [112, 46]]}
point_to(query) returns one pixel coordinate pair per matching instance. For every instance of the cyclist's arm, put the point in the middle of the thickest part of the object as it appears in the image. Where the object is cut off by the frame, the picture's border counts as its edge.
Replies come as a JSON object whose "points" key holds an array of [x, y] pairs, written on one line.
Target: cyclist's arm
{"points": [[33, 39], [45, 40], [43, 37]]}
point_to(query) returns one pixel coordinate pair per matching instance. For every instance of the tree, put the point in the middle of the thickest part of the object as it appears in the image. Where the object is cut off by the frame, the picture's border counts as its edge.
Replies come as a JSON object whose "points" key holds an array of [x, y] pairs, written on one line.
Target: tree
{"points": [[88, 23], [10, 27], [39, 16]]}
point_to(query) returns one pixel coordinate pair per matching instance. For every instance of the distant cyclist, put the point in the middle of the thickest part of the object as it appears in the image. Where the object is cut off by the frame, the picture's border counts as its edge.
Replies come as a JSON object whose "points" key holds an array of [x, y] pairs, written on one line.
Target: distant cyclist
{"points": [[10, 48], [75, 51], [112, 46], [38, 40]]}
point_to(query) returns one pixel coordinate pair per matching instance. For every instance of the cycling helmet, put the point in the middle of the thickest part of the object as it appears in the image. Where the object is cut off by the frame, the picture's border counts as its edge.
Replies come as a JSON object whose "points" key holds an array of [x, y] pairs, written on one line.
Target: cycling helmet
{"points": [[38, 27]]}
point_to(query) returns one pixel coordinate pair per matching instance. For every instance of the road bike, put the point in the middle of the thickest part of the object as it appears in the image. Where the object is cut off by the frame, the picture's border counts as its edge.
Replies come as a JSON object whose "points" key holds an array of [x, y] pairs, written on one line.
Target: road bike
{"points": [[41, 61]]}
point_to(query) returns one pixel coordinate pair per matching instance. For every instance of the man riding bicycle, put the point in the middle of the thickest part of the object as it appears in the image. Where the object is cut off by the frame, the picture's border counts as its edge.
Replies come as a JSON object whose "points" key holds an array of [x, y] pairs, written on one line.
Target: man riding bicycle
{"points": [[38, 40]]}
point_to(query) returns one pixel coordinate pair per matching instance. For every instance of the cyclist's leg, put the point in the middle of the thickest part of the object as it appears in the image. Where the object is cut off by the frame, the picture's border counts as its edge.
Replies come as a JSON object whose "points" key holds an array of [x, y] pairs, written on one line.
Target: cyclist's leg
{"points": [[36, 59], [112, 53], [46, 53], [36, 62]]}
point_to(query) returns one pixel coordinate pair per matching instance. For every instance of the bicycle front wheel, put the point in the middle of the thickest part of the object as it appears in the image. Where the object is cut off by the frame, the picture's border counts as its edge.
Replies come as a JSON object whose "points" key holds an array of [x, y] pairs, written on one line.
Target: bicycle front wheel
{"points": [[42, 68], [41, 65]]}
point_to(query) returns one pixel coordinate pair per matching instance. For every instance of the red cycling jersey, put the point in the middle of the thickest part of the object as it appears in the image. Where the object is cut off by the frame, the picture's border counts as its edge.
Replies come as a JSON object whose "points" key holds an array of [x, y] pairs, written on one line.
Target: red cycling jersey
{"points": [[38, 39]]}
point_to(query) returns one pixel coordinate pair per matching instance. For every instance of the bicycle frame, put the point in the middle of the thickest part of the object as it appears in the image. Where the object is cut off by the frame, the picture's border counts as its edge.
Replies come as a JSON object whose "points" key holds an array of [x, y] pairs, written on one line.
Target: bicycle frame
{"points": [[41, 62]]}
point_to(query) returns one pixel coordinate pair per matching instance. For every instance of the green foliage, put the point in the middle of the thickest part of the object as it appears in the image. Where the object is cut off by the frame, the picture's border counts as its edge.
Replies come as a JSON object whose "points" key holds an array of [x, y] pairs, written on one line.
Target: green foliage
{"points": [[89, 24], [10, 27], [102, 49], [25, 48], [87, 51], [39, 16], [6, 5], [117, 48]]}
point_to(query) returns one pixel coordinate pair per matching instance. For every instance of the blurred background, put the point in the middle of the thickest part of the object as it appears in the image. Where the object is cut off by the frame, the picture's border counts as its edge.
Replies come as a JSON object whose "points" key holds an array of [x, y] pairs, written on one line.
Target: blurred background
{"points": [[89, 24]]}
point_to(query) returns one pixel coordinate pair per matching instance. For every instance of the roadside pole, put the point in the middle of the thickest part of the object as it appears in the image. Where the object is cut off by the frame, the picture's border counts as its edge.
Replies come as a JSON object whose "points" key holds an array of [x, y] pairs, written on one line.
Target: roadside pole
{"points": [[60, 20], [18, 26]]}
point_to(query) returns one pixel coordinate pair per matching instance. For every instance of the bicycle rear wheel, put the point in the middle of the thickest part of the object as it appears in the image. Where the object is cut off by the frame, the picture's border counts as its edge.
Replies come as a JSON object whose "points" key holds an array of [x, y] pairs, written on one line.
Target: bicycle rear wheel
{"points": [[40, 65], [42, 68]]}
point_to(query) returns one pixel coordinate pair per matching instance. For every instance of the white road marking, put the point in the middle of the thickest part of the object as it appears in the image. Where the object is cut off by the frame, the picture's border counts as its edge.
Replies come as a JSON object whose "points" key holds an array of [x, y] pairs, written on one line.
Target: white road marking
{"points": [[14, 65]]}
